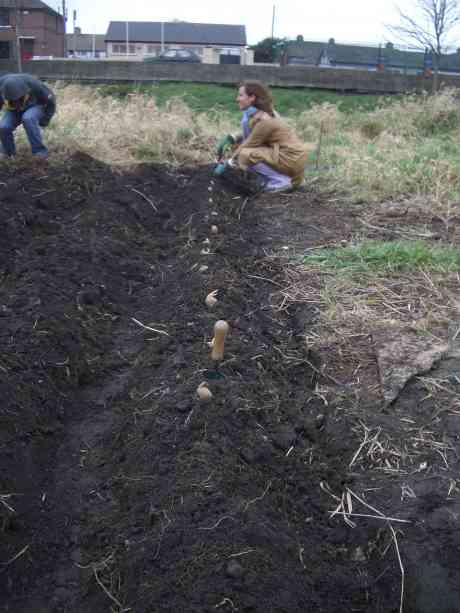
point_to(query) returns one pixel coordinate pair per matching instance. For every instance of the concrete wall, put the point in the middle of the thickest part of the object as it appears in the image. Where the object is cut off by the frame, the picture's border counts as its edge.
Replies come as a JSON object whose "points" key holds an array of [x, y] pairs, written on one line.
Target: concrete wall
{"points": [[286, 76]]}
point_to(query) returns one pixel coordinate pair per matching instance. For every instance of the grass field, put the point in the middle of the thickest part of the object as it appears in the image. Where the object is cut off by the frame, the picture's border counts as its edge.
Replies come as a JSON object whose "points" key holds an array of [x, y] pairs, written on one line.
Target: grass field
{"points": [[202, 97]]}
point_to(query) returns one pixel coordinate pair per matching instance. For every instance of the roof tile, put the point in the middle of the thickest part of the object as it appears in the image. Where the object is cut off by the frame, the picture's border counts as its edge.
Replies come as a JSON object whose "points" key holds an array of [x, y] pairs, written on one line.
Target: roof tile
{"points": [[177, 32]]}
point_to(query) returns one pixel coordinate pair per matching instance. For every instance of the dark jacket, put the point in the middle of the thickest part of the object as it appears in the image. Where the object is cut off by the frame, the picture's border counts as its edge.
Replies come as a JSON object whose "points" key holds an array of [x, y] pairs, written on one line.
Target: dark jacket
{"points": [[15, 86]]}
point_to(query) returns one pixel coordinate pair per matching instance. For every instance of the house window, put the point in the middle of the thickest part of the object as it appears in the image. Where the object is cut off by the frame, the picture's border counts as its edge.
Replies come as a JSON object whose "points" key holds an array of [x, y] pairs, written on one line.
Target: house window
{"points": [[4, 17], [120, 49], [229, 51], [4, 50]]}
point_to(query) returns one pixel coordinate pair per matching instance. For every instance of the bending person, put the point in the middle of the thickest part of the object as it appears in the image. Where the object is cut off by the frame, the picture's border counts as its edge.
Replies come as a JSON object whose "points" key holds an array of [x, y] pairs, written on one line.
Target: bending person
{"points": [[28, 102], [267, 145]]}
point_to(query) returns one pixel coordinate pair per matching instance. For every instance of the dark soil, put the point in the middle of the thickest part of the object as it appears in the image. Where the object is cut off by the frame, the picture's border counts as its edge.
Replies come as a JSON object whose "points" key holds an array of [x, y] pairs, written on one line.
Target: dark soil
{"points": [[120, 490]]}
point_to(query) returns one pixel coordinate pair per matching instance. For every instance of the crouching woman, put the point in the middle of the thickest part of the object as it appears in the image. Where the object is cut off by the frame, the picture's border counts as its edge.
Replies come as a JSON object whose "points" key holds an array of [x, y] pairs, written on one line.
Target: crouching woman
{"points": [[267, 145]]}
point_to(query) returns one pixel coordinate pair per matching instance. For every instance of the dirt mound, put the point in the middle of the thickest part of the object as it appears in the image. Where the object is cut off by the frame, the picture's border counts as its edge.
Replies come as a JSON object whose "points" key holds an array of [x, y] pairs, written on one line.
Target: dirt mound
{"points": [[119, 489]]}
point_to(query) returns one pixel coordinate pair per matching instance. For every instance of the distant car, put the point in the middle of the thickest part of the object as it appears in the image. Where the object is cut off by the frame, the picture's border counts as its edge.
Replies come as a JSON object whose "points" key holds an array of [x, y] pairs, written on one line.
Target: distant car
{"points": [[175, 55]]}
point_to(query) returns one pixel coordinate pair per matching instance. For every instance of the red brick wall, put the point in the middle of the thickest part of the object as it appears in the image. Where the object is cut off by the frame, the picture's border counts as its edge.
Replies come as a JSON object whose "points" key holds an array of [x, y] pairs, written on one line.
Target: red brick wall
{"points": [[47, 30]]}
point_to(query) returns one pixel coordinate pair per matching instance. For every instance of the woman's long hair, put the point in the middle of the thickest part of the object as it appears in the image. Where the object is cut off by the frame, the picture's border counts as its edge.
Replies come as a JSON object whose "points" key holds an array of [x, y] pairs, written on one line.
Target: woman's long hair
{"points": [[264, 100]]}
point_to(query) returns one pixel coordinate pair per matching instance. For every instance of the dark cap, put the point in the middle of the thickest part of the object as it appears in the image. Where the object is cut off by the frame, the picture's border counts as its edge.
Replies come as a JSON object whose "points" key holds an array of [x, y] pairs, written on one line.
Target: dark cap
{"points": [[14, 88]]}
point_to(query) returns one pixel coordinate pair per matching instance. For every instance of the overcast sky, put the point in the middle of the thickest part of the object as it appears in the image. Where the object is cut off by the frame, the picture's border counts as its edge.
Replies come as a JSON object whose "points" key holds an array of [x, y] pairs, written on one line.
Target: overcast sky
{"points": [[344, 20]]}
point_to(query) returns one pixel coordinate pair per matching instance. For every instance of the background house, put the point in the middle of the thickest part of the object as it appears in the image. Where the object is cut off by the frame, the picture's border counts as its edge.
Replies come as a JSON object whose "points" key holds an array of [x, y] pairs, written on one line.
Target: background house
{"points": [[302, 53], [351, 56], [85, 46], [361, 57], [215, 44], [40, 28]]}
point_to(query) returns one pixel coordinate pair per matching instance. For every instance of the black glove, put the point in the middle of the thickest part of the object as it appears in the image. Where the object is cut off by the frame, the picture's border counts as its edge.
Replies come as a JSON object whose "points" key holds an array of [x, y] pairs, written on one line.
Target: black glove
{"points": [[44, 122]]}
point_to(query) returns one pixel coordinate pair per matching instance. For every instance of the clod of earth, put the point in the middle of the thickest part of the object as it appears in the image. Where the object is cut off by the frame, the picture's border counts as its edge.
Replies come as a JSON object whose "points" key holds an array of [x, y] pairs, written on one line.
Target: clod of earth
{"points": [[234, 569]]}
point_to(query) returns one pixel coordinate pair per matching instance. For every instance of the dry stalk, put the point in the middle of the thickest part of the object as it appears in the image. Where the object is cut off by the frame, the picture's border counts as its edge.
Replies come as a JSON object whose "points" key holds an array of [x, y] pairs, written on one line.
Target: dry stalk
{"points": [[139, 323], [17, 556], [3, 498], [122, 609], [453, 488], [218, 522], [401, 600], [382, 454], [242, 553], [136, 191], [345, 509], [224, 602], [264, 493]]}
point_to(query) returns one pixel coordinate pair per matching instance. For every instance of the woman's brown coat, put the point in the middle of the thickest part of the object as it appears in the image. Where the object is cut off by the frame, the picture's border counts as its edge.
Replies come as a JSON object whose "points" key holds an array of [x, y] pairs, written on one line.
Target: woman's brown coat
{"points": [[271, 141]]}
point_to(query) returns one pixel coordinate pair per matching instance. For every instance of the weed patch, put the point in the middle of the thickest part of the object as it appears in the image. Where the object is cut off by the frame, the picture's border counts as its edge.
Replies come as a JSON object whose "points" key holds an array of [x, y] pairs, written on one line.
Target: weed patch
{"points": [[388, 257]]}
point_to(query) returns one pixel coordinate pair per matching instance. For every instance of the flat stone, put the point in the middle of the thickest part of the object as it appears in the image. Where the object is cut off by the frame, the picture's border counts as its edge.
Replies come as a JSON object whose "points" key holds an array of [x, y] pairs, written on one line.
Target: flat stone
{"points": [[403, 353]]}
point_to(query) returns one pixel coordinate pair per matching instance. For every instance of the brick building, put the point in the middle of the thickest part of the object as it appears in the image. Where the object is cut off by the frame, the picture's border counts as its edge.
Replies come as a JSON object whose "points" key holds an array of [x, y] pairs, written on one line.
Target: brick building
{"points": [[39, 28]]}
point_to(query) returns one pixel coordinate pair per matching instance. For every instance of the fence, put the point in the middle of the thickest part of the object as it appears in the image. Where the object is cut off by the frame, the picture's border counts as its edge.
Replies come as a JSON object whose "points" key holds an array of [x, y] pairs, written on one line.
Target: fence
{"points": [[99, 72]]}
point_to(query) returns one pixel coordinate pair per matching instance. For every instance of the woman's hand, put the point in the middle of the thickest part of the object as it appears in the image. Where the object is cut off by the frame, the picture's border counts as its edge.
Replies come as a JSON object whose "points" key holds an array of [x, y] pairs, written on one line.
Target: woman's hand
{"points": [[224, 144]]}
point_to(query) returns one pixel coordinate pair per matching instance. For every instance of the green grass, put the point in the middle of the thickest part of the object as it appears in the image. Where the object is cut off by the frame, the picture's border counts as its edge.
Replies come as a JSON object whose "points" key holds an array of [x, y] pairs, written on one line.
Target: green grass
{"points": [[288, 101], [387, 257]]}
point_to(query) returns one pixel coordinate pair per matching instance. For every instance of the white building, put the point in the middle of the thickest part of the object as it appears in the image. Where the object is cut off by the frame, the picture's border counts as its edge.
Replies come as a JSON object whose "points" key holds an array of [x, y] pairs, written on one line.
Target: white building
{"points": [[213, 43]]}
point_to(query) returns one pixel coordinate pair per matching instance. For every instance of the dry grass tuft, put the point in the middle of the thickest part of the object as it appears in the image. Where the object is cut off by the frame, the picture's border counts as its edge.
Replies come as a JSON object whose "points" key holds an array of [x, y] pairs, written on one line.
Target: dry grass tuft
{"points": [[132, 130], [408, 147], [352, 306]]}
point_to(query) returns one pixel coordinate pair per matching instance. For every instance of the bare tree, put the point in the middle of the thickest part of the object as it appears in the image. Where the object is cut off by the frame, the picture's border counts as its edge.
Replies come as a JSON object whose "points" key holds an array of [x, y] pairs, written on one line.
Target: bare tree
{"points": [[429, 25]]}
